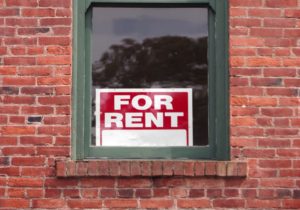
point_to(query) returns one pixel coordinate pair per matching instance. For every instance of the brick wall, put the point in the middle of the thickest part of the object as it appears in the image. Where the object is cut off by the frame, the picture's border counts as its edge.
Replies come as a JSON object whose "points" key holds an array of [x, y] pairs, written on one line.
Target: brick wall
{"points": [[35, 56]]}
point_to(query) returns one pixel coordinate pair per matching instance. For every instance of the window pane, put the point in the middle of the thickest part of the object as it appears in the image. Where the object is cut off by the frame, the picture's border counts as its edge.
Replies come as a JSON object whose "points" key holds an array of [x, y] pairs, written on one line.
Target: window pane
{"points": [[153, 48]]}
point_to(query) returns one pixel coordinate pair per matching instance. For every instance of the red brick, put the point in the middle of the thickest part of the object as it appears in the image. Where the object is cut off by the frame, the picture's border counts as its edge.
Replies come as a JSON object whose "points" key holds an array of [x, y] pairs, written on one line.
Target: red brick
{"points": [[33, 31], [59, 50], [178, 168], [277, 112], [25, 182], [199, 168], [276, 143], [10, 171], [71, 193], [279, 22], [266, 32], [260, 12], [275, 163], [62, 41], [143, 193], [61, 30], [57, 183], [65, 12], [37, 110], [20, 41], [237, 12], [18, 151], [34, 193], [9, 109], [54, 151], [9, 32], [246, 3], [291, 62], [178, 192], [18, 100], [34, 71], [229, 203], [57, 120], [263, 203], [135, 168], [19, 61], [279, 42], [250, 91], [280, 3], [9, 12], [28, 161], [18, 81], [124, 168], [291, 203], [231, 192], [54, 60], [134, 182], [246, 131], [259, 153], [168, 168], [54, 130], [279, 72], [52, 193], [48, 203], [27, 3], [281, 132], [37, 90], [157, 168], [292, 13], [48, 12], [108, 193], [55, 21], [15, 203], [54, 81], [263, 61], [55, 3], [281, 92], [277, 182], [156, 203], [120, 203], [84, 204], [22, 22], [17, 130], [125, 193], [95, 182], [245, 22], [210, 168], [247, 41], [243, 121], [160, 192]]}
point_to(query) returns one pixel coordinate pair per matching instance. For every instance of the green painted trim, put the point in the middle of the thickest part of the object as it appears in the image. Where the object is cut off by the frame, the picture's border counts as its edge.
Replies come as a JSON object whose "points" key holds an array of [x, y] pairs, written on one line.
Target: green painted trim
{"points": [[218, 86], [77, 80], [222, 82], [150, 153], [211, 3]]}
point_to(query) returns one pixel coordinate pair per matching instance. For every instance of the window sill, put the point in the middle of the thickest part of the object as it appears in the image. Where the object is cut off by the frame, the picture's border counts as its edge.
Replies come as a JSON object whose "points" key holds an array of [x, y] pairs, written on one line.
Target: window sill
{"points": [[150, 168]]}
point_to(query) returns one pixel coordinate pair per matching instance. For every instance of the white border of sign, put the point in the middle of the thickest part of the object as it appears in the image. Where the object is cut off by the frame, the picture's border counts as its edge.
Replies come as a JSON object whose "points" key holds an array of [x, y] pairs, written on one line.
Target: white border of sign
{"points": [[190, 106]]}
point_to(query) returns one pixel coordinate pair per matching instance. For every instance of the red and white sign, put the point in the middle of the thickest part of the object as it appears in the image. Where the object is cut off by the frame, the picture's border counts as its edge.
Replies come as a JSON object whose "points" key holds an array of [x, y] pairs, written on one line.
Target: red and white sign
{"points": [[144, 117]]}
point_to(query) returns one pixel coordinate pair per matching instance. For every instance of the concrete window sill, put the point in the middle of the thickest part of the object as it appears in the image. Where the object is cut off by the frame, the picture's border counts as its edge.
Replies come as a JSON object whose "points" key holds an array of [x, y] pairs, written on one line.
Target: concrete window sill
{"points": [[150, 168]]}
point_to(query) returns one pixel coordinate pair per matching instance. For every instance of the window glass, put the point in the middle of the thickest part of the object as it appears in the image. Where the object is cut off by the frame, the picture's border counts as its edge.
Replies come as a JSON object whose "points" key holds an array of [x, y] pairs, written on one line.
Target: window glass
{"points": [[152, 48]]}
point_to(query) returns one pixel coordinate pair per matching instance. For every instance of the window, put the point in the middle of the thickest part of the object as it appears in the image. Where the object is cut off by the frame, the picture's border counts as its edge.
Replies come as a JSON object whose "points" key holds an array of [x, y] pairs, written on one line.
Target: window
{"points": [[150, 80]]}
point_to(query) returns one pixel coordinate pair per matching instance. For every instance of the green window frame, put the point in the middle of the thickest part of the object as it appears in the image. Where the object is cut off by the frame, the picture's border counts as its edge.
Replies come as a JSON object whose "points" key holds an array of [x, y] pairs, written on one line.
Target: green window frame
{"points": [[218, 101]]}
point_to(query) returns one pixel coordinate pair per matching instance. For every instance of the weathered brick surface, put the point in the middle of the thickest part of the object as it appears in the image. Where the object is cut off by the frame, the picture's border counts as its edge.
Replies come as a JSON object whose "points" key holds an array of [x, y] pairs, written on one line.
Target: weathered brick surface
{"points": [[35, 108]]}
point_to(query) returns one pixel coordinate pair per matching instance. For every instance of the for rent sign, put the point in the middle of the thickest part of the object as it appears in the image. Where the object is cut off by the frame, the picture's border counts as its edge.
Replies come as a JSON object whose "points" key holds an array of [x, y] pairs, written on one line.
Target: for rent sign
{"points": [[144, 117]]}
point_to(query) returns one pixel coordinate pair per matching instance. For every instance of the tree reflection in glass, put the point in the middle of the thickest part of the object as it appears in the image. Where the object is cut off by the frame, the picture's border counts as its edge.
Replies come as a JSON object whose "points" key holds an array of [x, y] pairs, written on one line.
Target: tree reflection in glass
{"points": [[174, 59]]}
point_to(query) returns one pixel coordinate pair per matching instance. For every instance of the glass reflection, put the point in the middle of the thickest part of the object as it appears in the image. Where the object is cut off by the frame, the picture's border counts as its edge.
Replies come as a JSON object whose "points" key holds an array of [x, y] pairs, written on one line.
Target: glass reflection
{"points": [[153, 48]]}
